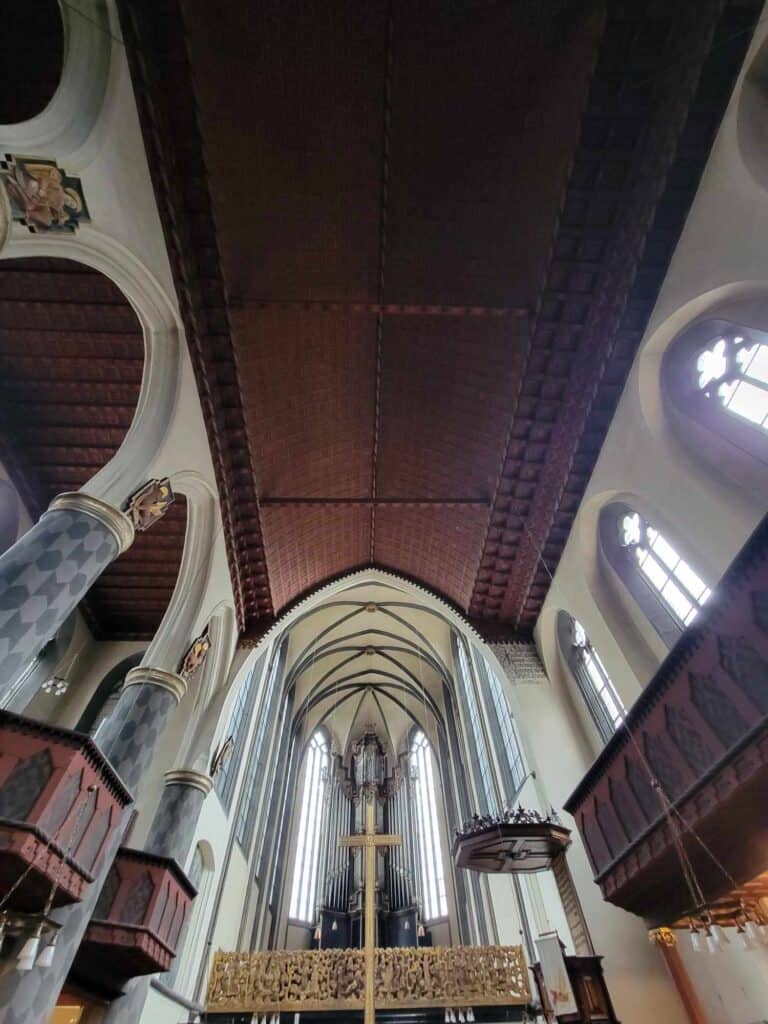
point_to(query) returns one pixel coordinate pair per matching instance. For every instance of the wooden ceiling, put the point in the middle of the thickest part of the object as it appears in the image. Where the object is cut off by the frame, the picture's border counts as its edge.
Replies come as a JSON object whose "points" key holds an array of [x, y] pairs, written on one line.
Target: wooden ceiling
{"points": [[415, 247], [71, 360]]}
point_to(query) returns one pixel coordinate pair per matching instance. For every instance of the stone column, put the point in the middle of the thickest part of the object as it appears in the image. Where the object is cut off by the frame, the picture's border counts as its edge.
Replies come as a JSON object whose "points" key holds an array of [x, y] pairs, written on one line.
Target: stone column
{"points": [[49, 570], [129, 739], [171, 835], [176, 818]]}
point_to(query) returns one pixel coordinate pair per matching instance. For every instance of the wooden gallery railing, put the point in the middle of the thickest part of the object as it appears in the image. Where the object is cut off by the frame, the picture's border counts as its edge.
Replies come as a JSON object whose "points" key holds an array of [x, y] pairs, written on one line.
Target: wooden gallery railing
{"points": [[334, 979]]}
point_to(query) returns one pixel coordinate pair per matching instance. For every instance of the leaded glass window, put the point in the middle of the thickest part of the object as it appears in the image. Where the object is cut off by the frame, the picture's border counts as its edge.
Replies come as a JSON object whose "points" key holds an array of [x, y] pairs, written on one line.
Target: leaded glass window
{"points": [[597, 690], [734, 371], [431, 869], [310, 823], [680, 588]]}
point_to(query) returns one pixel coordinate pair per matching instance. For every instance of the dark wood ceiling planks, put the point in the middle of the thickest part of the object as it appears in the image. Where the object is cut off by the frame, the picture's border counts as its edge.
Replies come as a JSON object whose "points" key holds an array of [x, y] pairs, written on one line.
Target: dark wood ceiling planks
{"points": [[71, 362], [416, 247]]}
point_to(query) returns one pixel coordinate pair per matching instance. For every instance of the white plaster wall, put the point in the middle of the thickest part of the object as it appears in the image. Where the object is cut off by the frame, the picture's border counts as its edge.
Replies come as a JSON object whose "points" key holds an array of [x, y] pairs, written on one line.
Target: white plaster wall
{"points": [[722, 255]]}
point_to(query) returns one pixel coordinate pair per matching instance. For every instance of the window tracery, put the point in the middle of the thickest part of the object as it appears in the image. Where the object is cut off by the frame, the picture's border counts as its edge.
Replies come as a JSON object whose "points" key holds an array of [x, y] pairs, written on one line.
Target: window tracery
{"points": [[305, 870], [600, 696], [734, 371], [435, 903], [668, 589]]}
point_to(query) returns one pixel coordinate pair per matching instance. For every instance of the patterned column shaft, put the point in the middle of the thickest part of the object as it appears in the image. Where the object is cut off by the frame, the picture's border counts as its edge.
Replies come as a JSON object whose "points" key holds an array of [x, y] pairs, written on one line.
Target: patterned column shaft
{"points": [[128, 738], [170, 836], [130, 734], [49, 570], [176, 818]]}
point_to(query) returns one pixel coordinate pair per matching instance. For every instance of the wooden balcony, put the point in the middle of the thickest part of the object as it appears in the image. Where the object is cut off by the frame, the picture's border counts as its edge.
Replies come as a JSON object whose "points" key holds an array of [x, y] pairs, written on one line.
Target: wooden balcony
{"points": [[136, 923], [59, 801], [699, 730]]}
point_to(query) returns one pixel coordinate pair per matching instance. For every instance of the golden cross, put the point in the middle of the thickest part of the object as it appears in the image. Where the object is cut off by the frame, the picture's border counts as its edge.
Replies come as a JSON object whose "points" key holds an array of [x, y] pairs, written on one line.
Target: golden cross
{"points": [[369, 841]]}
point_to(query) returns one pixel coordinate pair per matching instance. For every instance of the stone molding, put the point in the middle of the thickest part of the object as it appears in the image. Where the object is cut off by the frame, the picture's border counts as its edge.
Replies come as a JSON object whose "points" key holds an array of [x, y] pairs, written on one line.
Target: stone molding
{"points": [[142, 676], [6, 217], [189, 777], [116, 521]]}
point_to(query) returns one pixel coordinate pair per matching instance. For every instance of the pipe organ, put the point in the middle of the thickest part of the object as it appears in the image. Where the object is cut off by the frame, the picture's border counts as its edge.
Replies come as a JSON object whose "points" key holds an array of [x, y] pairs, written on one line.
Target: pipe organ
{"points": [[397, 888]]}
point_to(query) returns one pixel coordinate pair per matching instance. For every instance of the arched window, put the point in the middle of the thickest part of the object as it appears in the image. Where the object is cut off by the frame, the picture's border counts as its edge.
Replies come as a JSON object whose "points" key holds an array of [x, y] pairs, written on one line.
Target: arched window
{"points": [[430, 854], [506, 743], [304, 887], [237, 729], [470, 707], [716, 374], [667, 588], [200, 874], [600, 696]]}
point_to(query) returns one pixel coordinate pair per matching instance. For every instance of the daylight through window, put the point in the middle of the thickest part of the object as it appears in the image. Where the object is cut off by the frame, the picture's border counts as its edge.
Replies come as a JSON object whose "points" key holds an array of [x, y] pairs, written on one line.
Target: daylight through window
{"points": [[682, 591], [430, 854], [304, 888]]}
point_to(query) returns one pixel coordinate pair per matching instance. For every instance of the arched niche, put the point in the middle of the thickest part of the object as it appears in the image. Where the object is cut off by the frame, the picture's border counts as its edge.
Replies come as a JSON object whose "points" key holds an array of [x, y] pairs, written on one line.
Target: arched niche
{"points": [[700, 369], [33, 59], [106, 693]]}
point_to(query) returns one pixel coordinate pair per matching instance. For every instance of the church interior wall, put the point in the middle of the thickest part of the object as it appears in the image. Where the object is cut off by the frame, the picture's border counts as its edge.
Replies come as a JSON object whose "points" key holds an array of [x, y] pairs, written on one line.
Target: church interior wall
{"points": [[720, 258], [719, 261]]}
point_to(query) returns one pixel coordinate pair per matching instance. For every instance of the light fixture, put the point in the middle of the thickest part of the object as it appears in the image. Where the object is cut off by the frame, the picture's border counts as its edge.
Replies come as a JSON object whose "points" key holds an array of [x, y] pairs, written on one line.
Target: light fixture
{"points": [[318, 933], [407, 926], [334, 925], [470, 1015], [46, 957], [721, 936], [420, 931], [28, 955]]}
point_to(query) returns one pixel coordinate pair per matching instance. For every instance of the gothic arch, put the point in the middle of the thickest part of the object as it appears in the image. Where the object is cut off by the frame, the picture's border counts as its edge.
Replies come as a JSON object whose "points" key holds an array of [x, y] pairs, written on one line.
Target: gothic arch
{"points": [[73, 69]]}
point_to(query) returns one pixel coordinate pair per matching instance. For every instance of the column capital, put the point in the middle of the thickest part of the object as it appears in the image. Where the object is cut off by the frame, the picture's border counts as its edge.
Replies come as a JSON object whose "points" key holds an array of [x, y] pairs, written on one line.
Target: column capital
{"points": [[663, 937], [144, 676], [189, 777], [115, 520]]}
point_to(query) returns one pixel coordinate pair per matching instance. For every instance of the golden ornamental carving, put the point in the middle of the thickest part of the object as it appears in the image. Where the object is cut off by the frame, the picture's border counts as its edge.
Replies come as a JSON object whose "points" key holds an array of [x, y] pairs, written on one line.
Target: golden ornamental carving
{"points": [[662, 937], [334, 979]]}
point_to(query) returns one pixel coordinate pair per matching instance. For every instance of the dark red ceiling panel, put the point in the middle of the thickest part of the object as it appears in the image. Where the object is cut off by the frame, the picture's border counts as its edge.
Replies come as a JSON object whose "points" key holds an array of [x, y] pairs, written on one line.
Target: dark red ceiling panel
{"points": [[415, 249], [71, 363]]}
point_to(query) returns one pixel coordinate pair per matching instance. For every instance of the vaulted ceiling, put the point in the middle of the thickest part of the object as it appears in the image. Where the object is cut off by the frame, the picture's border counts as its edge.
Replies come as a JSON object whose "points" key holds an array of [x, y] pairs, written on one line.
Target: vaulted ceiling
{"points": [[415, 247]]}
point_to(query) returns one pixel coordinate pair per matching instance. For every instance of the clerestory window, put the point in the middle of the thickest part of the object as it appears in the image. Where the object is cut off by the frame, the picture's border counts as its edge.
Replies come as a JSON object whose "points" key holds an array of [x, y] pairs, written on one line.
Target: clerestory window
{"points": [[431, 869], [305, 870], [682, 590], [667, 588], [598, 692]]}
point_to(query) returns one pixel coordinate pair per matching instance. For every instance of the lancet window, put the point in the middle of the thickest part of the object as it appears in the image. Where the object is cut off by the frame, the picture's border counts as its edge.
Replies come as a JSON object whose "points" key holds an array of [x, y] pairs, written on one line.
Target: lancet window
{"points": [[431, 869], [603, 702], [238, 728], [664, 584], [255, 773], [681, 589], [506, 743], [470, 706], [310, 823]]}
